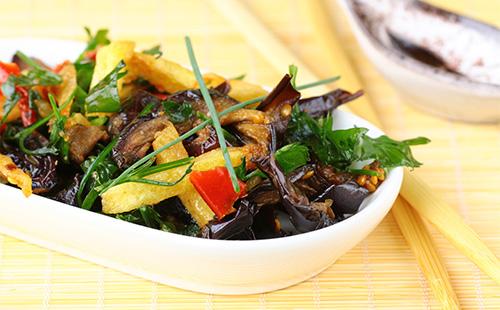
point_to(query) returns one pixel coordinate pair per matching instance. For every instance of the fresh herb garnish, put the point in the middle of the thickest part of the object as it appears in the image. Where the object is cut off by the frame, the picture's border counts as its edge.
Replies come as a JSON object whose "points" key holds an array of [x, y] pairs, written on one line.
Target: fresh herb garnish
{"points": [[138, 176], [33, 95], [229, 137], [147, 216], [84, 66], [213, 114], [98, 121], [104, 170], [99, 39], [178, 113], [239, 77], [363, 171], [45, 150], [78, 105], [89, 168], [148, 109], [292, 156], [292, 70], [103, 97], [37, 75], [341, 148], [317, 83], [56, 132], [391, 153], [241, 172], [154, 51], [84, 73]]}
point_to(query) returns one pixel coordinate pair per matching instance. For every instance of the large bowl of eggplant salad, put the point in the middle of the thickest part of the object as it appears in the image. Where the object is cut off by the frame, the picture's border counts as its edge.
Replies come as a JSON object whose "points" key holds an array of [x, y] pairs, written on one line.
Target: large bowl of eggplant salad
{"points": [[132, 135]]}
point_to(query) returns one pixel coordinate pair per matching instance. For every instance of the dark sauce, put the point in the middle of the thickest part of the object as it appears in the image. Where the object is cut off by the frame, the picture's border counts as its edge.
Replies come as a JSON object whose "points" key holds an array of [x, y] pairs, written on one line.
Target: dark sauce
{"points": [[419, 53]]}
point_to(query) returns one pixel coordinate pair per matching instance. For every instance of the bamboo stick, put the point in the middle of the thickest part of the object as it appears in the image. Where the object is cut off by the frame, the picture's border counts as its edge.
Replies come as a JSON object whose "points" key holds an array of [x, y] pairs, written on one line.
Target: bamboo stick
{"points": [[450, 224], [430, 262]]}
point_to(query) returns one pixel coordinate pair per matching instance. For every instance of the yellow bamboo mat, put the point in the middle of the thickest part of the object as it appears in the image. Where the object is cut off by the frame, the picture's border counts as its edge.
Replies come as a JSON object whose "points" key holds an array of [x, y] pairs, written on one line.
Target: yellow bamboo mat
{"points": [[462, 163]]}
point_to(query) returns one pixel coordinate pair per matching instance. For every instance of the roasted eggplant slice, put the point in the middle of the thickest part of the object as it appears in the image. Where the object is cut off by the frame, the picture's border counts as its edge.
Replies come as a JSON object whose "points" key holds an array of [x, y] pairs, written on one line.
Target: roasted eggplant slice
{"points": [[68, 194], [132, 107], [322, 105], [136, 139], [41, 168], [232, 225], [82, 140], [348, 197]]}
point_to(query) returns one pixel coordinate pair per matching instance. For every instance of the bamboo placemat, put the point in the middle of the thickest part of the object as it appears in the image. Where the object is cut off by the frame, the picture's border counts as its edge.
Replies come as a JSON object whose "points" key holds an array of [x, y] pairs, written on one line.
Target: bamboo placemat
{"points": [[381, 272]]}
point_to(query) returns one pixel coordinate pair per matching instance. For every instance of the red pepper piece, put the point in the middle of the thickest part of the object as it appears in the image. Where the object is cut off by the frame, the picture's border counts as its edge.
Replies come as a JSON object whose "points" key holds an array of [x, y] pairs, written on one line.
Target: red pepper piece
{"points": [[58, 68], [6, 69], [91, 55], [216, 189], [161, 96], [28, 115]]}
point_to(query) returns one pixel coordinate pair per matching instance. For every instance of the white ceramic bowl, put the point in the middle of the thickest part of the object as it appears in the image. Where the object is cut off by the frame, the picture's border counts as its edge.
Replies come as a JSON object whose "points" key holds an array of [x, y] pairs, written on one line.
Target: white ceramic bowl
{"points": [[208, 266], [440, 93]]}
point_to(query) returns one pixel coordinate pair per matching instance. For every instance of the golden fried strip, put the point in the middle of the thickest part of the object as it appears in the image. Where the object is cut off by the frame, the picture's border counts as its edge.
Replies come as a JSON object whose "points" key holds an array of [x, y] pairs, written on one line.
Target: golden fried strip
{"points": [[14, 175]]}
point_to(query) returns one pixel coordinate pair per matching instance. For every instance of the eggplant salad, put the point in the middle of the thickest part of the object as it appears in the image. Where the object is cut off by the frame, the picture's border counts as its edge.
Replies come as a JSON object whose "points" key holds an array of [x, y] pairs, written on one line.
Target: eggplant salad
{"points": [[135, 136]]}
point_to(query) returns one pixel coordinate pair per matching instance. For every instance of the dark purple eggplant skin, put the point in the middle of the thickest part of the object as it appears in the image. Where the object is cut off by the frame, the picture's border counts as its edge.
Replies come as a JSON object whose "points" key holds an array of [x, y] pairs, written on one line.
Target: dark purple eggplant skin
{"points": [[136, 139], [322, 105], [233, 225], [205, 140], [283, 93], [264, 223], [295, 203], [68, 194], [194, 97], [131, 109], [224, 88], [264, 194], [42, 169], [348, 197]]}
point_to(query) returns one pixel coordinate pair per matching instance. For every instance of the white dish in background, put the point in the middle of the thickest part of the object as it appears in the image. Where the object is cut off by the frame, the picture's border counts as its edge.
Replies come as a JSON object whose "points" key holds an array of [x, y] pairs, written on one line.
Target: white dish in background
{"points": [[470, 46], [208, 266]]}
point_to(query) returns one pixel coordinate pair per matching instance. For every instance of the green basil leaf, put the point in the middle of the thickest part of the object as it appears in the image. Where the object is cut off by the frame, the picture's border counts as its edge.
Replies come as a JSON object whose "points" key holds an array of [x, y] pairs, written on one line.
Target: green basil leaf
{"points": [[342, 148], [241, 172], [37, 75], [84, 73], [239, 77], [98, 121], [292, 156], [103, 97], [155, 51], [292, 70], [178, 113], [391, 153]]}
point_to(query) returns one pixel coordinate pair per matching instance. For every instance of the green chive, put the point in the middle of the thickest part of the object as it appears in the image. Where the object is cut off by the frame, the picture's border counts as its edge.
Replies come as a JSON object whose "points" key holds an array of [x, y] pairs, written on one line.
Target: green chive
{"points": [[292, 70], [23, 134], [213, 114], [102, 155]]}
